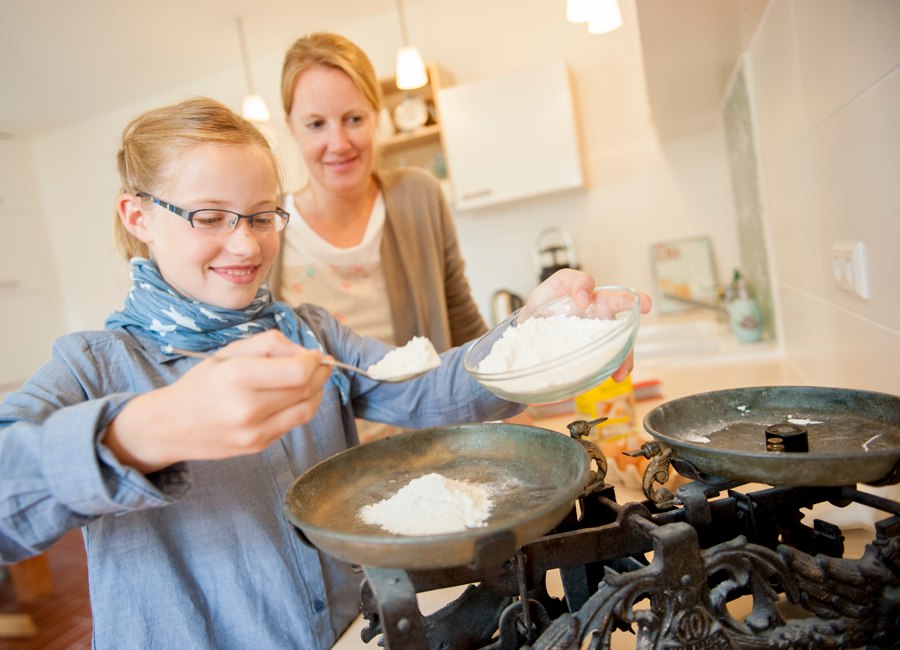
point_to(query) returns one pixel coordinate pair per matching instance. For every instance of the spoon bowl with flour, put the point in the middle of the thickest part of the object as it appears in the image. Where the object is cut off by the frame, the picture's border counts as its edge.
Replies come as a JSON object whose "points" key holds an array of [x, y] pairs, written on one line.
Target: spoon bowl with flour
{"points": [[412, 360]]}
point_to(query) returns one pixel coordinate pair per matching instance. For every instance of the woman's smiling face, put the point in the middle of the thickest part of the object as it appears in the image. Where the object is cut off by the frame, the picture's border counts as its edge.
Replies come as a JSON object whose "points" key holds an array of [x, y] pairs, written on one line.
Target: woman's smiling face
{"points": [[222, 270], [334, 125]]}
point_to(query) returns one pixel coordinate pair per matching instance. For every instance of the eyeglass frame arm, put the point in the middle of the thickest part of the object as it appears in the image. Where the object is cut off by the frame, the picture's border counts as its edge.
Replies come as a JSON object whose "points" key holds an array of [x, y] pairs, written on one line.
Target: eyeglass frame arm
{"points": [[188, 215]]}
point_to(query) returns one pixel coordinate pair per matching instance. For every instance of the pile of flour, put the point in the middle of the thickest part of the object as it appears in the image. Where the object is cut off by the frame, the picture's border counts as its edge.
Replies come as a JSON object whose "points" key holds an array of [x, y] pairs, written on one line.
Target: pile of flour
{"points": [[538, 340], [431, 505], [415, 357]]}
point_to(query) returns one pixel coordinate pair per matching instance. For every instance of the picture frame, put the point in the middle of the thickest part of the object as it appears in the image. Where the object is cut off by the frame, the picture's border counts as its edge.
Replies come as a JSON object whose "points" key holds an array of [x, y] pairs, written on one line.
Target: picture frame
{"points": [[684, 272]]}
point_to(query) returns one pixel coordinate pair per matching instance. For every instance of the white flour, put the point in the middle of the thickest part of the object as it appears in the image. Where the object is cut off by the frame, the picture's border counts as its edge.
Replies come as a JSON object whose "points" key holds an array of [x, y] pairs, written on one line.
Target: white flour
{"points": [[539, 340], [431, 505], [413, 358], [802, 421]]}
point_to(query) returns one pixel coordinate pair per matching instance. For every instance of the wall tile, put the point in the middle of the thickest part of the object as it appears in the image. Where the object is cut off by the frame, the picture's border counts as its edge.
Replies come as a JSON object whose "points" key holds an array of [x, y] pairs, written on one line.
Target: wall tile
{"points": [[797, 251], [778, 97], [855, 158], [844, 47], [866, 355], [807, 336]]}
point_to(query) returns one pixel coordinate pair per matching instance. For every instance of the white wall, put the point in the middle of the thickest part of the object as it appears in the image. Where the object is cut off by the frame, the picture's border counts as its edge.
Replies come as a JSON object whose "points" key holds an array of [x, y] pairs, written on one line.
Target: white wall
{"points": [[825, 79], [639, 191], [29, 305], [78, 183], [643, 194]]}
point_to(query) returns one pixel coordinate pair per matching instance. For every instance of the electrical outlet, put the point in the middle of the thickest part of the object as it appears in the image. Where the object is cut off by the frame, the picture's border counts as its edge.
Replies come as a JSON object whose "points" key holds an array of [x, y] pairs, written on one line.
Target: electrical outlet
{"points": [[848, 266]]}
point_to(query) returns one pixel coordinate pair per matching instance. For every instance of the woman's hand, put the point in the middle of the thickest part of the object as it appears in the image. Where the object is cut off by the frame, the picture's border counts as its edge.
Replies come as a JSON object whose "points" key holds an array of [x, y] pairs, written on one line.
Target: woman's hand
{"points": [[237, 402], [580, 286]]}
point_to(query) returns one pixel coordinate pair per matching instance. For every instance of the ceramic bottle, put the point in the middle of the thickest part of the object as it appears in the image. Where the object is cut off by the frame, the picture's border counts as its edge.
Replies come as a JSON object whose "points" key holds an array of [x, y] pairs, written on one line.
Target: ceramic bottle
{"points": [[743, 312]]}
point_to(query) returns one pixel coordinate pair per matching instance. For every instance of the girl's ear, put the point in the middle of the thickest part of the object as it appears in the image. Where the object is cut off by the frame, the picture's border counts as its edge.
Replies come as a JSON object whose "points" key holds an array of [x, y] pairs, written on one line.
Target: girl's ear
{"points": [[131, 213]]}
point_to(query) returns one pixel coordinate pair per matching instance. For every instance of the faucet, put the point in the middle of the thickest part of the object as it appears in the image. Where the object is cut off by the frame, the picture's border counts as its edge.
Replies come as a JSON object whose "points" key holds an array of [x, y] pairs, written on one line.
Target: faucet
{"points": [[717, 306]]}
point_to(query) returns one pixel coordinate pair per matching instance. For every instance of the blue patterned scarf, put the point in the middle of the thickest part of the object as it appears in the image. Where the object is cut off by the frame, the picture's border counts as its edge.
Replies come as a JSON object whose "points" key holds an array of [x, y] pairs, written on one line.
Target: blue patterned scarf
{"points": [[155, 309]]}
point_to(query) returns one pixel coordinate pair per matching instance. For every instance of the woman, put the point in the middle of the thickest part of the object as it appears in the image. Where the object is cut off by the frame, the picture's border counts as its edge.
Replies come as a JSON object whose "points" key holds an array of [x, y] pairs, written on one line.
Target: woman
{"points": [[378, 249]]}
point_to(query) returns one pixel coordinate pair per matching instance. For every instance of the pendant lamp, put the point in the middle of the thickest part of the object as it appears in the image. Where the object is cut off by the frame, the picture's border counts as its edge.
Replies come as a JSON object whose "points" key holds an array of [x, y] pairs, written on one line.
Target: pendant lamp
{"points": [[410, 71], [254, 107], [602, 16]]}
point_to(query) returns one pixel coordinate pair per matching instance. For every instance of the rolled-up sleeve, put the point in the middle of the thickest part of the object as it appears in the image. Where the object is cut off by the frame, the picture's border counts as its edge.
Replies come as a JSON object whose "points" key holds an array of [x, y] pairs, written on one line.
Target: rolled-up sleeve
{"points": [[55, 472], [57, 475]]}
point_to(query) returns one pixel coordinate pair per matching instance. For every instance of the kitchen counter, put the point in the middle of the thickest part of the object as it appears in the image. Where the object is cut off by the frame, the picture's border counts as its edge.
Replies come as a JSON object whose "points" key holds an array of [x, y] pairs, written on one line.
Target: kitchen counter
{"points": [[757, 365], [678, 380]]}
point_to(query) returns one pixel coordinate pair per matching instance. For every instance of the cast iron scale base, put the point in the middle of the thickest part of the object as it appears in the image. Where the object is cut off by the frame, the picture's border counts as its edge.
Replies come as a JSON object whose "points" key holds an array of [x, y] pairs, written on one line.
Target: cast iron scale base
{"points": [[711, 543], [705, 553]]}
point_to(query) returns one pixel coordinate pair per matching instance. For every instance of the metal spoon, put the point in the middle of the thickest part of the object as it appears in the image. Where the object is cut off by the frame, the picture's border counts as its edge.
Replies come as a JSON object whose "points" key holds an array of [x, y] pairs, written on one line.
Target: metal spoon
{"points": [[168, 349]]}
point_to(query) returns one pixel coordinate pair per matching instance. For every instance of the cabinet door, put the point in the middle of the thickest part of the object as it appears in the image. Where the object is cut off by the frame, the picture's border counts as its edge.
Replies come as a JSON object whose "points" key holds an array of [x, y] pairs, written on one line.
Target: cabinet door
{"points": [[511, 137]]}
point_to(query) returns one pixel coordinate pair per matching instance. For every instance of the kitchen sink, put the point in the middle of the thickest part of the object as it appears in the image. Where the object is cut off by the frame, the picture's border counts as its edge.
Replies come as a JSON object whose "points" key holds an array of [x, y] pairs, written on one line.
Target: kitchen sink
{"points": [[685, 340], [665, 339]]}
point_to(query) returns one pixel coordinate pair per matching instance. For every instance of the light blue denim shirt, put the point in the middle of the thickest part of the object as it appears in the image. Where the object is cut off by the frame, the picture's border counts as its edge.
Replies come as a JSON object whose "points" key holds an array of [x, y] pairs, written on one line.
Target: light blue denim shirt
{"points": [[198, 555]]}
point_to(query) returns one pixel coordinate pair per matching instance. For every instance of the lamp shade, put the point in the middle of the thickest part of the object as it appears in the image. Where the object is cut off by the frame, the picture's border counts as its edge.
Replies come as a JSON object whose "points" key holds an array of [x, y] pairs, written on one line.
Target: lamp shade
{"points": [[410, 69], [255, 109], [605, 18], [579, 11]]}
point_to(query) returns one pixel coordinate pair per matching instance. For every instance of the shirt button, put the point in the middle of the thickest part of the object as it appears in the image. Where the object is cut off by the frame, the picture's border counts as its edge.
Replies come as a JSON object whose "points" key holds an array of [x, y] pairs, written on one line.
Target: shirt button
{"points": [[318, 605]]}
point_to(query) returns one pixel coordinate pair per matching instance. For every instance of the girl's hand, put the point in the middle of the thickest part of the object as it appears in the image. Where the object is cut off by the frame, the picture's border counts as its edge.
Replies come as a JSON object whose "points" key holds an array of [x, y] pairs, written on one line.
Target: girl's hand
{"points": [[577, 284], [580, 286], [238, 402]]}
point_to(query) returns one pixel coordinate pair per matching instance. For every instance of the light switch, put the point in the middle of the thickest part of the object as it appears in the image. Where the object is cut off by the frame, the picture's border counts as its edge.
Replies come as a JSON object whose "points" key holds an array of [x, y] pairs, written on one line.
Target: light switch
{"points": [[848, 265]]}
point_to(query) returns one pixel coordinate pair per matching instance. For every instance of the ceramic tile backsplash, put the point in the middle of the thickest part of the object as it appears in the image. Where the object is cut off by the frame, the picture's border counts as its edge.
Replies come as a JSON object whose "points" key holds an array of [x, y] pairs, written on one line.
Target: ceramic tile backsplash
{"points": [[855, 163], [844, 47], [825, 76], [776, 86], [808, 336], [866, 354], [797, 251]]}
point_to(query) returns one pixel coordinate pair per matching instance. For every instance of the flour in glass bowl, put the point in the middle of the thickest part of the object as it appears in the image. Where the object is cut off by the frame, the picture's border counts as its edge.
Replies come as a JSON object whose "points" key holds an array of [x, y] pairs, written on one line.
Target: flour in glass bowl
{"points": [[540, 340], [431, 505]]}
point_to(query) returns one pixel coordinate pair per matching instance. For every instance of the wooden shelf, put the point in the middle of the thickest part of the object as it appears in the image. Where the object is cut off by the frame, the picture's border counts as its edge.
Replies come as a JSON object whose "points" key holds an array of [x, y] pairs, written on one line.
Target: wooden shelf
{"points": [[425, 134], [423, 147]]}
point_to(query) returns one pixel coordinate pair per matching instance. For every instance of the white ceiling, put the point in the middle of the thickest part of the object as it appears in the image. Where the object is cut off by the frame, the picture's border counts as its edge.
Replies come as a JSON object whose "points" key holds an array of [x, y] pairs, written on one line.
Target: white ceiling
{"points": [[65, 60], [689, 49]]}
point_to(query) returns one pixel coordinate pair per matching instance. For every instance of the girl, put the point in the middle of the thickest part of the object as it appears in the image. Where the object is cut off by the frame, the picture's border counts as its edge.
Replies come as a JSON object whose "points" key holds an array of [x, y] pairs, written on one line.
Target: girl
{"points": [[175, 469]]}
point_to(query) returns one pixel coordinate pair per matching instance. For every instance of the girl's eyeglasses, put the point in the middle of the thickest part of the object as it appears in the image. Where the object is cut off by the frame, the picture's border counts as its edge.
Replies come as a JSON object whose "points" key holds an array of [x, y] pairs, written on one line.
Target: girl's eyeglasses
{"points": [[217, 221]]}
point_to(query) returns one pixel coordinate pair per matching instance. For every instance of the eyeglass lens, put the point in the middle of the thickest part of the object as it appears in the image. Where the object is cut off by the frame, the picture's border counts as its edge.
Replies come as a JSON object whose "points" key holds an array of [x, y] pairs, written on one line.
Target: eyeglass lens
{"points": [[224, 221]]}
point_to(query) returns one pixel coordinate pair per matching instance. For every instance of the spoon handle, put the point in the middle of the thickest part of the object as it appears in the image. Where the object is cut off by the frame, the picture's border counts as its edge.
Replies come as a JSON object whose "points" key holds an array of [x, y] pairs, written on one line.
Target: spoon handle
{"points": [[206, 355], [345, 366]]}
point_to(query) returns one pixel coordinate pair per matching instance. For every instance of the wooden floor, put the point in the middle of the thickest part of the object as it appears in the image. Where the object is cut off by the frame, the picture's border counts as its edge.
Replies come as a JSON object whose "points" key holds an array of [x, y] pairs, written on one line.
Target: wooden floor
{"points": [[62, 618]]}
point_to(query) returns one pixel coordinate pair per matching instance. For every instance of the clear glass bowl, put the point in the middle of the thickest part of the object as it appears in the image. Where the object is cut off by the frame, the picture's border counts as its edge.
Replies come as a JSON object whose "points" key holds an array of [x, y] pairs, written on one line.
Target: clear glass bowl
{"points": [[572, 371]]}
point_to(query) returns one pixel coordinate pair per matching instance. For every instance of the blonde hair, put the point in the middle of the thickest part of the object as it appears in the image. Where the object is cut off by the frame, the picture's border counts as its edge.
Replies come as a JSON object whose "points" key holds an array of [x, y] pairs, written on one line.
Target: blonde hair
{"points": [[331, 50], [154, 141]]}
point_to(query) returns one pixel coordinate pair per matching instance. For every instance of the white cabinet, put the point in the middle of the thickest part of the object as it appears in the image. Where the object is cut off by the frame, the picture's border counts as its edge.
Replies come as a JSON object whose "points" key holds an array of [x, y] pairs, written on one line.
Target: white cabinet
{"points": [[511, 137]]}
